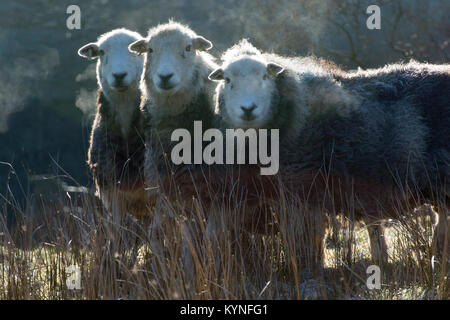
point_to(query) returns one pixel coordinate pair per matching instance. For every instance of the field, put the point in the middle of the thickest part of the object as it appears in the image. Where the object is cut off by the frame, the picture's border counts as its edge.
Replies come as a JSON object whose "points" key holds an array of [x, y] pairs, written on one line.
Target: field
{"points": [[58, 242], [118, 258]]}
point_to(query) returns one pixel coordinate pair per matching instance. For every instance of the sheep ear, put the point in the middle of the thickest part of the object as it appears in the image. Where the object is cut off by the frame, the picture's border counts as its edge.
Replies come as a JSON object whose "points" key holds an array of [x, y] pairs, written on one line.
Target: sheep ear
{"points": [[216, 75], [201, 44], [274, 69], [138, 47], [89, 51]]}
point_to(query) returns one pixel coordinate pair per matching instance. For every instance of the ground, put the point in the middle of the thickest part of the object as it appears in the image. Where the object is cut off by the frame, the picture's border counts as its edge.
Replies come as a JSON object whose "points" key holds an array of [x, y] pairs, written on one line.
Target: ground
{"points": [[35, 256]]}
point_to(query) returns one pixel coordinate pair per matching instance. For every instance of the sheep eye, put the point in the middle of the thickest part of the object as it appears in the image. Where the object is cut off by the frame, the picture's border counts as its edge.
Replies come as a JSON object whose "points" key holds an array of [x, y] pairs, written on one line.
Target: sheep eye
{"points": [[227, 80], [188, 48]]}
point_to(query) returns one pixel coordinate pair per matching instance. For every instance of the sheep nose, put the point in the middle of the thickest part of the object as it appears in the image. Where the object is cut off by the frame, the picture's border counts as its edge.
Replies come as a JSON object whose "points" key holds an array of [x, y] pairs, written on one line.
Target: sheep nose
{"points": [[248, 110], [119, 76], [165, 78]]}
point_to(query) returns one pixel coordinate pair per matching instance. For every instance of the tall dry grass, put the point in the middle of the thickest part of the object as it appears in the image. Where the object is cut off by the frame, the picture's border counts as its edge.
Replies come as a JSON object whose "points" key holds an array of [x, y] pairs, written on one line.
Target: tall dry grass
{"points": [[205, 254]]}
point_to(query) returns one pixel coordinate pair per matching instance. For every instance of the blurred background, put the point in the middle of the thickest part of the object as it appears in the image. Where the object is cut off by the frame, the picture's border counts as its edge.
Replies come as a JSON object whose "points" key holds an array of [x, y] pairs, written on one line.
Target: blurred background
{"points": [[47, 92]]}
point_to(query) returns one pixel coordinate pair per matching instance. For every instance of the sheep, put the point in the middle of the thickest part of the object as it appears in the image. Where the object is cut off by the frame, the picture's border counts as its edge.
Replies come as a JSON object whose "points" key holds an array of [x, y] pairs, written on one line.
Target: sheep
{"points": [[116, 150], [366, 142], [176, 92], [413, 101], [264, 91]]}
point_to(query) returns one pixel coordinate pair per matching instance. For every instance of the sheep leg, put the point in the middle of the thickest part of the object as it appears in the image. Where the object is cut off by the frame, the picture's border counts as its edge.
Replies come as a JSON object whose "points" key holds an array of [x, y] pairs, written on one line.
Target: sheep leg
{"points": [[316, 225], [211, 233], [441, 235], [378, 246], [187, 257], [320, 228], [154, 231]]}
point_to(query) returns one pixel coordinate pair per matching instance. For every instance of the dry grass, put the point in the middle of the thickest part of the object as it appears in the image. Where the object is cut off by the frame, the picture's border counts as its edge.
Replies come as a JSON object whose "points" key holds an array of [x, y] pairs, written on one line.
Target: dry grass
{"points": [[120, 258]]}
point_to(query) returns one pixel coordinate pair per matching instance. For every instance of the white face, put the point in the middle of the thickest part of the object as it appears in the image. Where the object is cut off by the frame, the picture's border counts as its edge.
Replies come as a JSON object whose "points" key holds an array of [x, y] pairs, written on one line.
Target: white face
{"points": [[118, 70], [170, 63], [170, 60], [246, 93]]}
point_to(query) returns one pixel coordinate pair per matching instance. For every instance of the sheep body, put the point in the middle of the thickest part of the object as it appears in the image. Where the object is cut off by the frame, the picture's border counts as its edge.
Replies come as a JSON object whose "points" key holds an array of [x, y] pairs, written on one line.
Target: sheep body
{"points": [[365, 143], [173, 52], [116, 162], [116, 150]]}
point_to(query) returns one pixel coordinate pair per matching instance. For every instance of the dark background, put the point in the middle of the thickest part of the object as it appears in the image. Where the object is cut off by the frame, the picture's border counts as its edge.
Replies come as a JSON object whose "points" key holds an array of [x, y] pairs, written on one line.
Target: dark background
{"points": [[47, 92]]}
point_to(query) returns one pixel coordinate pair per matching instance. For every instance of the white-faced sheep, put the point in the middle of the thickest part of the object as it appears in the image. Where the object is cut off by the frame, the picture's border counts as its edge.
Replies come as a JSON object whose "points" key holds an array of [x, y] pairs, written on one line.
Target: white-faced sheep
{"points": [[372, 144], [176, 91], [116, 151]]}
